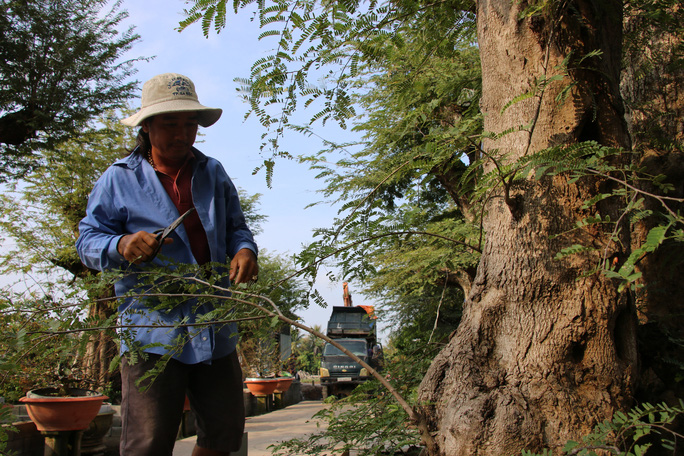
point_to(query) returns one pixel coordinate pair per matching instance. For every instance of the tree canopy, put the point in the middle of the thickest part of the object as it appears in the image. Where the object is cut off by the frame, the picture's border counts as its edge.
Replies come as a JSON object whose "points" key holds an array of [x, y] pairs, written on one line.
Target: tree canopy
{"points": [[60, 65]]}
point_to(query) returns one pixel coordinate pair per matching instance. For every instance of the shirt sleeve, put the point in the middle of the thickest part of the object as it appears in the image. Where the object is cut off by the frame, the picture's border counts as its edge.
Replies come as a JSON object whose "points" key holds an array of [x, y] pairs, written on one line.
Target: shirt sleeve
{"points": [[100, 230]]}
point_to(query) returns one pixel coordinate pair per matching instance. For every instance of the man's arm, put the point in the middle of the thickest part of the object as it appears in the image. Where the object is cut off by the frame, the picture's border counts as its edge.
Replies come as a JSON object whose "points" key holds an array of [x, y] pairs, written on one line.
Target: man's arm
{"points": [[103, 241], [100, 231]]}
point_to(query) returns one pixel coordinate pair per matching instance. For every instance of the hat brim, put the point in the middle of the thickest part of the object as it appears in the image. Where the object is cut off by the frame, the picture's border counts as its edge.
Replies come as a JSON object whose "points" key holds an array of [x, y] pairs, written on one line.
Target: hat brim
{"points": [[207, 116]]}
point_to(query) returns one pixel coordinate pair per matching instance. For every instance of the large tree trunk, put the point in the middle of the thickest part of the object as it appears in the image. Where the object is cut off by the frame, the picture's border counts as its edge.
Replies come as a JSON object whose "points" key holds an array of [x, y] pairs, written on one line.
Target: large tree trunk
{"points": [[543, 351]]}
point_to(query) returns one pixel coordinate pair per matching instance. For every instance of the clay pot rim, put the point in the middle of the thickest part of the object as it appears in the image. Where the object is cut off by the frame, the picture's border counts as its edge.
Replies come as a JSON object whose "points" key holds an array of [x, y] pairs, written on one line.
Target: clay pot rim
{"points": [[76, 395]]}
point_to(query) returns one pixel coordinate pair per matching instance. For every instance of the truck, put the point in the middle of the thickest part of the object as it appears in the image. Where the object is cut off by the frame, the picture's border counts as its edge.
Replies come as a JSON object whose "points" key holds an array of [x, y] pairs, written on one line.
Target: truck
{"points": [[354, 328]]}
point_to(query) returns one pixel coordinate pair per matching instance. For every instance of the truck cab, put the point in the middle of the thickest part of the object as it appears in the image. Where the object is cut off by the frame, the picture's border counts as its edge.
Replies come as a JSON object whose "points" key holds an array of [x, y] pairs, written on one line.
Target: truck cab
{"points": [[336, 367]]}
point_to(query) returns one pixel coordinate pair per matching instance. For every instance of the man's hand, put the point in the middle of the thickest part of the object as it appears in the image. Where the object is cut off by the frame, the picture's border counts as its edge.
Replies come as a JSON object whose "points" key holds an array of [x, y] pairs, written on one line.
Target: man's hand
{"points": [[139, 247], [244, 267]]}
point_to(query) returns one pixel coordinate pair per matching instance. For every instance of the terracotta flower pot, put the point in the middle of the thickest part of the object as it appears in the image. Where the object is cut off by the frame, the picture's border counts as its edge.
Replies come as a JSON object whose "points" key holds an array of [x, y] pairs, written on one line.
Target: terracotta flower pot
{"points": [[261, 386], [62, 413], [283, 384]]}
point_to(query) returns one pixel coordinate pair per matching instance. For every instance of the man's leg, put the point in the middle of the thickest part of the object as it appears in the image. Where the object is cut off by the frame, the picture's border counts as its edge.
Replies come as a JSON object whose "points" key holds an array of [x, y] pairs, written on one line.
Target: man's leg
{"points": [[215, 392], [150, 419]]}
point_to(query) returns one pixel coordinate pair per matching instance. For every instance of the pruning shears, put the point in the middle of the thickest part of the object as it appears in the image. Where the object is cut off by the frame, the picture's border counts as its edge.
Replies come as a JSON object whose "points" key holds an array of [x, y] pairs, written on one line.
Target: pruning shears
{"points": [[166, 232]]}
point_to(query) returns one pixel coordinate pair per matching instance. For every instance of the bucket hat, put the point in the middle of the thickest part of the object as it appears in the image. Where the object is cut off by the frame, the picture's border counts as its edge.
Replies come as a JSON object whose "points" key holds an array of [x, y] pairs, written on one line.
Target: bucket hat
{"points": [[171, 92]]}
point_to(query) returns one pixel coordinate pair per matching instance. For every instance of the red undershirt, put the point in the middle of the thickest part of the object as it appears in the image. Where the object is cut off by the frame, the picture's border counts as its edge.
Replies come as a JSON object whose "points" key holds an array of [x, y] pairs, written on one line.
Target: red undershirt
{"points": [[180, 192]]}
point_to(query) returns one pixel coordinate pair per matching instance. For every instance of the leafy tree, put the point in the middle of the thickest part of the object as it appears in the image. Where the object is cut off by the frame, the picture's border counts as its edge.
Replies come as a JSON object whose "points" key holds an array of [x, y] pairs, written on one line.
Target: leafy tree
{"points": [[60, 66], [42, 212], [250, 205], [40, 217]]}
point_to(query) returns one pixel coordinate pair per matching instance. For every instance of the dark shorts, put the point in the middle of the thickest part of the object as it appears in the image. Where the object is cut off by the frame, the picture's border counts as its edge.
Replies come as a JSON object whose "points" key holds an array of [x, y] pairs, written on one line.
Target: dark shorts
{"points": [[150, 419]]}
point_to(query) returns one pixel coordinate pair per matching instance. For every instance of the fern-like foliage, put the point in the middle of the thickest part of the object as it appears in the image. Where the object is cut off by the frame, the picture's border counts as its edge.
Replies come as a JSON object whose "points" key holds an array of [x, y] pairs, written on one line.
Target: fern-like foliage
{"points": [[337, 43]]}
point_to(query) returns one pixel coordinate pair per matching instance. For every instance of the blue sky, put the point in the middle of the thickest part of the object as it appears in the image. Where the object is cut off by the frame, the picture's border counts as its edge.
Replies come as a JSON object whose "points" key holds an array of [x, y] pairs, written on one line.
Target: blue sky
{"points": [[213, 63]]}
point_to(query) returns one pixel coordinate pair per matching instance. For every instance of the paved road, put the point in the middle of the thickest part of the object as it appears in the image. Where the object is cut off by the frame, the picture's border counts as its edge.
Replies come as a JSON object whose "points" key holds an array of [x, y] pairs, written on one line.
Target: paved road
{"points": [[270, 428]]}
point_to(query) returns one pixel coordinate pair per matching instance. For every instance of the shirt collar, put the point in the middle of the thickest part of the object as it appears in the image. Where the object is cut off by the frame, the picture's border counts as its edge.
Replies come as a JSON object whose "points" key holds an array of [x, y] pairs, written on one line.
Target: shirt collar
{"points": [[135, 158]]}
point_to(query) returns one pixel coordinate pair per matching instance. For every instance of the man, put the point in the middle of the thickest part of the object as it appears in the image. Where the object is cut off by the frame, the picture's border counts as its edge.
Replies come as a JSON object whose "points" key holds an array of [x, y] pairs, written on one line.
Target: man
{"points": [[161, 179]]}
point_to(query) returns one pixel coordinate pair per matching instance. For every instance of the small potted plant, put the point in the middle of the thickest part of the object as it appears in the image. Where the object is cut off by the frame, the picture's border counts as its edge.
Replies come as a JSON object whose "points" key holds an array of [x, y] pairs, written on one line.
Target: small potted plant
{"points": [[259, 352], [261, 382], [260, 386], [63, 407], [41, 359], [51, 410]]}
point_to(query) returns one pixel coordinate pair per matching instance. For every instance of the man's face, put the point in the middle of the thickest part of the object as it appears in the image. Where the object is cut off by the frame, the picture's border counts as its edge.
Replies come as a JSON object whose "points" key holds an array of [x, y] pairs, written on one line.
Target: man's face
{"points": [[172, 135]]}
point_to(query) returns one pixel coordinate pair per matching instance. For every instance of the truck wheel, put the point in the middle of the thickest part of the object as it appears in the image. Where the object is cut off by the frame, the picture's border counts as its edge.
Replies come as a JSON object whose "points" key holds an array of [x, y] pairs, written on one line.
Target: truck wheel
{"points": [[325, 392]]}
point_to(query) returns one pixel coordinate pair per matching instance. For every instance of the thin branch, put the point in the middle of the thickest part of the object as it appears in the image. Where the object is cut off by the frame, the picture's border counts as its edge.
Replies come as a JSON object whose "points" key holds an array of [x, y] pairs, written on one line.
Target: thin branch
{"points": [[416, 417], [506, 181], [659, 198], [115, 327], [615, 232], [439, 306]]}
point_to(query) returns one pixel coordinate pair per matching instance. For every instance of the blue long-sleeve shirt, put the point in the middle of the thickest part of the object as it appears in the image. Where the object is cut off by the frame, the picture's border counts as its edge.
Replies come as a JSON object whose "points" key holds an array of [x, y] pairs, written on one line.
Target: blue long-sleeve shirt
{"points": [[129, 198]]}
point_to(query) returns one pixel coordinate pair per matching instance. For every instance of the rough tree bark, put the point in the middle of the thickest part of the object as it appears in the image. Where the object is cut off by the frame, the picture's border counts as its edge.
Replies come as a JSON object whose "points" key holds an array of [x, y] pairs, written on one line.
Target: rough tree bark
{"points": [[542, 352]]}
